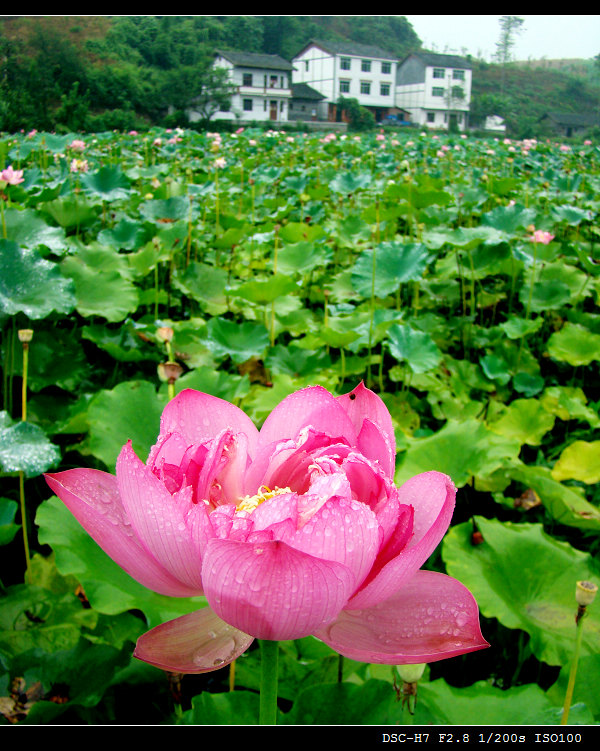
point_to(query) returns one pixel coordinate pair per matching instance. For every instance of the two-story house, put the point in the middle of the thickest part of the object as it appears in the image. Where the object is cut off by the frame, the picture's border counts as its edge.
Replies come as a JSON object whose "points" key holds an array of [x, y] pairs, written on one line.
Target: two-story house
{"points": [[435, 89], [263, 86], [348, 70]]}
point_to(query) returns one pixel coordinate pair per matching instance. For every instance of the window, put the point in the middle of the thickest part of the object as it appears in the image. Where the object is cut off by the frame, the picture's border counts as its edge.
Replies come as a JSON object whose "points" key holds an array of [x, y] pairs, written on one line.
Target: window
{"points": [[365, 66], [431, 117], [439, 73], [344, 87], [247, 79], [384, 89], [365, 87], [437, 91], [386, 68], [345, 63], [306, 64], [247, 105], [458, 75], [273, 82]]}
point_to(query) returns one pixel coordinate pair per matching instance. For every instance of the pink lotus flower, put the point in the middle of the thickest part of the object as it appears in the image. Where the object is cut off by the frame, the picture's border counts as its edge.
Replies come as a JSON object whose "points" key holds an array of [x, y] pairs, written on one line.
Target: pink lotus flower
{"points": [[11, 176], [541, 236], [77, 145], [292, 530]]}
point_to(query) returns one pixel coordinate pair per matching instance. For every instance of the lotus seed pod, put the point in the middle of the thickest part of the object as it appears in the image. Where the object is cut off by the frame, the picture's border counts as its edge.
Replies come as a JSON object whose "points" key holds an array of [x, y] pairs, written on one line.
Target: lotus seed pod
{"points": [[411, 673], [165, 333], [169, 371], [585, 592], [25, 335]]}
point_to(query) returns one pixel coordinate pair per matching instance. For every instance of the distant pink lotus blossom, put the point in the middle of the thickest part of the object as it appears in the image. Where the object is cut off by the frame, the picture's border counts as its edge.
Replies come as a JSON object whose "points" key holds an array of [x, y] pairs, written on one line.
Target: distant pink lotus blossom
{"points": [[77, 145], [587, 142], [292, 530], [79, 165], [11, 176], [541, 236]]}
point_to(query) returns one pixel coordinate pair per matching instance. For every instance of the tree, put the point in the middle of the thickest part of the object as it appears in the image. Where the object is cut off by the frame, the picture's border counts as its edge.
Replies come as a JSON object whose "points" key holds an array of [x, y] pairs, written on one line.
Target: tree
{"points": [[510, 26], [210, 92]]}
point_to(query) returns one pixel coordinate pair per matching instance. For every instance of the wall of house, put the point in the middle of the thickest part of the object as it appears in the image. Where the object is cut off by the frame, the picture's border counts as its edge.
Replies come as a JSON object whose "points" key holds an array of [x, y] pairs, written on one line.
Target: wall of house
{"points": [[262, 94], [431, 102], [326, 73]]}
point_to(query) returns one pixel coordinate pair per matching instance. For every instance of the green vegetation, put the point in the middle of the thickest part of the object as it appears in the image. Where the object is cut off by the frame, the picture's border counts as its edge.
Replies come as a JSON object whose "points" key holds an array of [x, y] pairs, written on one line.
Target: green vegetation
{"points": [[94, 73]]}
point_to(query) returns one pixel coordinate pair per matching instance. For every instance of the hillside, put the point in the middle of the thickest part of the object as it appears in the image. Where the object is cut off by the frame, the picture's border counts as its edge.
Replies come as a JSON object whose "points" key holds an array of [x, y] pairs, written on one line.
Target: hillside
{"points": [[105, 72]]}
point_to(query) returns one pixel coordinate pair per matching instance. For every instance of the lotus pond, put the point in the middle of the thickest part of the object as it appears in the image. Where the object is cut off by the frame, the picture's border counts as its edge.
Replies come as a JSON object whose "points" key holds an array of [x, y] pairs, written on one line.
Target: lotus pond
{"points": [[457, 278]]}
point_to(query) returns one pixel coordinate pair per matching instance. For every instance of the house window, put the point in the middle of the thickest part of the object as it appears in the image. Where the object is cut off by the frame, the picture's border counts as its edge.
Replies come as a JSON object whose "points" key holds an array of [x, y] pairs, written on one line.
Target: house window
{"points": [[247, 105], [386, 68], [273, 82], [365, 87], [458, 75], [344, 87], [365, 66], [306, 64], [431, 117], [345, 63], [384, 89], [439, 73], [437, 91], [247, 79]]}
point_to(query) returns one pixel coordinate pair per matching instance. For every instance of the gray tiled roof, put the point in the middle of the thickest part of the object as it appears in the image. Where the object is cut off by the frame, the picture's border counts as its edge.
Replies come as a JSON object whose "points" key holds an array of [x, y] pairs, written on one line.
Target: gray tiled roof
{"points": [[255, 60], [304, 91], [443, 61], [351, 48]]}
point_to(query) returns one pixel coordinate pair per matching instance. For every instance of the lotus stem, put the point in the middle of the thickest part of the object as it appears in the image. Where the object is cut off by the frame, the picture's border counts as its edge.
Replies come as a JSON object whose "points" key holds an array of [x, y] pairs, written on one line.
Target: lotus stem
{"points": [[268, 682], [585, 593]]}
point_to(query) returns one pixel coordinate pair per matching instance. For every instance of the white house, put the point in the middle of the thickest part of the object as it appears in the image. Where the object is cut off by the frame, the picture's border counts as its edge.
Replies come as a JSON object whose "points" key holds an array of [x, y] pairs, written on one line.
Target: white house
{"points": [[435, 89], [263, 83], [349, 70]]}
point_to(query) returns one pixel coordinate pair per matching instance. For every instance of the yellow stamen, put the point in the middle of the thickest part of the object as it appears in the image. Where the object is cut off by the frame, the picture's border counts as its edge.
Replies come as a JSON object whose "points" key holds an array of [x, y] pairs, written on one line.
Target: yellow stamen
{"points": [[250, 502]]}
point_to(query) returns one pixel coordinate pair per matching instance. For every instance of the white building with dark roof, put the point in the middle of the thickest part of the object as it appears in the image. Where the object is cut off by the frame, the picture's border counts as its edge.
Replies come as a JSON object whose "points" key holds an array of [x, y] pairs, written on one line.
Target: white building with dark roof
{"points": [[263, 86], [435, 89], [351, 71]]}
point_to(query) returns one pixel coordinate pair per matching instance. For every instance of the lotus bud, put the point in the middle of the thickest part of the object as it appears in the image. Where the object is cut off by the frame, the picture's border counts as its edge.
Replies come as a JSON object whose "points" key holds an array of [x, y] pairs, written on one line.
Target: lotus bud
{"points": [[585, 593]]}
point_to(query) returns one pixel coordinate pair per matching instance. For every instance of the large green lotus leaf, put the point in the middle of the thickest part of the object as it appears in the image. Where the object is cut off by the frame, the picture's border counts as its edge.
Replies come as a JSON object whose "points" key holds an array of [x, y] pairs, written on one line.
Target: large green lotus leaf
{"points": [[572, 215], [262, 291], [515, 328], [130, 411], [587, 685], [495, 368], [106, 294], [509, 219], [579, 461], [71, 212], [31, 285], [350, 182], [165, 209], [461, 449], [352, 230], [126, 235], [237, 707], [392, 264], [526, 579], [302, 257], [574, 344], [565, 503], [441, 704], [54, 623], [528, 384], [107, 587], [416, 348], [371, 703], [8, 527], [524, 419], [24, 447], [108, 182], [218, 383], [29, 230], [462, 237], [569, 403], [240, 341], [203, 283], [123, 343], [295, 232], [548, 295]]}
